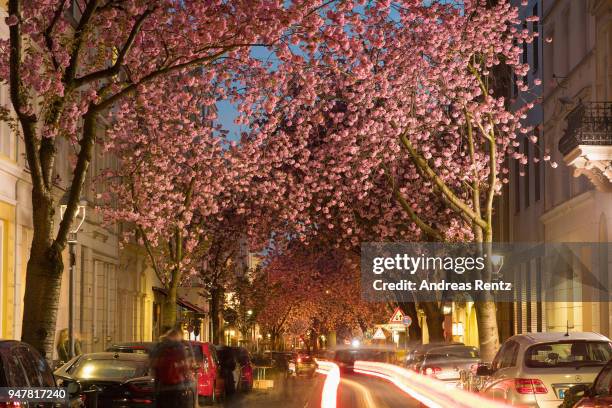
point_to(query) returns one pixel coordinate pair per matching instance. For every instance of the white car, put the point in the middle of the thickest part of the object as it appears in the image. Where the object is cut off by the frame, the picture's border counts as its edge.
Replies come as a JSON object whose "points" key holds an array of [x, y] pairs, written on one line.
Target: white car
{"points": [[536, 369]]}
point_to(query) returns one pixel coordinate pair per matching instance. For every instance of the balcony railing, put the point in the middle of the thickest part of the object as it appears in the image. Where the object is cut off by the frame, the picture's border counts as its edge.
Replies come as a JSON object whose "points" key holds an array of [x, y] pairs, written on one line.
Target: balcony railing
{"points": [[590, 123]]}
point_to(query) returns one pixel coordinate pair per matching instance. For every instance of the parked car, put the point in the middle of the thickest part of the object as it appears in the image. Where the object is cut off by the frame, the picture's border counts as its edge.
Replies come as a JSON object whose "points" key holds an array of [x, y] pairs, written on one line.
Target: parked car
{"points": [[211, 384], [142, 347], [246, 368], [230, 368], [597, 395], [445, 363], [117, 380], [22, 366], [415, 357], [537, 369], [302, 364]]}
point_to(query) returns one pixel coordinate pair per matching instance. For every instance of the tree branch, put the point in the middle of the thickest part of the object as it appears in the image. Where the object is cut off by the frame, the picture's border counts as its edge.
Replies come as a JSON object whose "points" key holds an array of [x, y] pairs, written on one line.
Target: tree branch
{"points": [[49, 32], [423, 226], [79, 35], [78, 176], [153, 75], [116, 67], [19, 100], [419, 161]]}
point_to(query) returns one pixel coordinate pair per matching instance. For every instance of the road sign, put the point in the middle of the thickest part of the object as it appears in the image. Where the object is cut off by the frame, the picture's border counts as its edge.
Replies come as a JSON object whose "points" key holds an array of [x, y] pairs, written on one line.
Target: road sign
{"points": [[379, 335], [407, 320], [397, 316]]}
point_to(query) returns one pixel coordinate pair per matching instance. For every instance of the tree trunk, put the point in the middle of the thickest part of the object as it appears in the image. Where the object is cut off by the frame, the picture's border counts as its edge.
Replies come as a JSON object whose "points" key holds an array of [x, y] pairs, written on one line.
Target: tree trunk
{"points": [[435, 321], [487, 329], [42, 292], [414, 330], [43, 279], [214, 315], [486, 312], [169, 310]]}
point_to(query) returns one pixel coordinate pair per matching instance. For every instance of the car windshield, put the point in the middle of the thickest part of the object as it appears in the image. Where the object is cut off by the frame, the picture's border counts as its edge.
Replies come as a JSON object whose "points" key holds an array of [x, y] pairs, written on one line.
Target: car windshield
{"points": [[453, 352], [568, 353], [109, 369]]}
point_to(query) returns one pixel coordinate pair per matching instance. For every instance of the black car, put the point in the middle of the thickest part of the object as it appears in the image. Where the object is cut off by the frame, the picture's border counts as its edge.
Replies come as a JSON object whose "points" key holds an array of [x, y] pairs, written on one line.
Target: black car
{"points": [[22, 366], [117, 380], [138, 347]]}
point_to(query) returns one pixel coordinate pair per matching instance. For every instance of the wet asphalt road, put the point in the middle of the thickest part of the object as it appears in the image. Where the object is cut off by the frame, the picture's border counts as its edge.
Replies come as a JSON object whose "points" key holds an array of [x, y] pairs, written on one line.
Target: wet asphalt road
{"points": [[355, 391]]}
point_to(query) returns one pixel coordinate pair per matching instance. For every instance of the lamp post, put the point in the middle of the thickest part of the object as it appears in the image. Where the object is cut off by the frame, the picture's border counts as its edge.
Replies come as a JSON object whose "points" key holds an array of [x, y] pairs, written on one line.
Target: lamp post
{"points": [[77, 222], [497, 261]]}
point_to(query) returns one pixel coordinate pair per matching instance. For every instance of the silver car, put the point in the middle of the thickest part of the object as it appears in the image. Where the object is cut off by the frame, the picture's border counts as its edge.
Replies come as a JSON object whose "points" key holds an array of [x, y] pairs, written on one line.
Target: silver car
{"points": [[445, 363], [536, 369]]}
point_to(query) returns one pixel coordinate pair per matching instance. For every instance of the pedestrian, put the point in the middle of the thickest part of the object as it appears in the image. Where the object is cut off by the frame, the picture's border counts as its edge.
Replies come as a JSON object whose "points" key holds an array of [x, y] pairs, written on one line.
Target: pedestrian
{"points": [[63, 346], [172, 368]]}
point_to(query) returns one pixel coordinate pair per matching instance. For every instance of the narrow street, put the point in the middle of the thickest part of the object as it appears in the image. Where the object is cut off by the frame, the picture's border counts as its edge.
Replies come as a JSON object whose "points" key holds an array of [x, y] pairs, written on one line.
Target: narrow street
{"points": [[355, 391], [291, 393], [362, 391]]}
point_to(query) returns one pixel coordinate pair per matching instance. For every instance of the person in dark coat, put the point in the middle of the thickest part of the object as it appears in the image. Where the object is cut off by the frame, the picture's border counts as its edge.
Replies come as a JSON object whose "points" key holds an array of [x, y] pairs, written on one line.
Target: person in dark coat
{"points": [[173, 369]]}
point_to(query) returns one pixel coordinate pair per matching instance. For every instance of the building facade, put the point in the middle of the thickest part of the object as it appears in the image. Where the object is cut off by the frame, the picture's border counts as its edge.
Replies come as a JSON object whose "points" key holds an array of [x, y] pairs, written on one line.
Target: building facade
{"points": [[573, 202]]}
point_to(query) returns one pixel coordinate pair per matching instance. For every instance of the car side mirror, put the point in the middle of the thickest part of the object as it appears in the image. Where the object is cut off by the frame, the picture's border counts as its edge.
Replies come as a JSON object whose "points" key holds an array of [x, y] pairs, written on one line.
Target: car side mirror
{"points": [[484, 371], [73, 387]]}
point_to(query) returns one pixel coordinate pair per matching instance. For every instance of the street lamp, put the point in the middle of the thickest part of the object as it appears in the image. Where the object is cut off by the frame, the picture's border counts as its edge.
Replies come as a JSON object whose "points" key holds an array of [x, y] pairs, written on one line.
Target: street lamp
{"points": [[497, 261], [250, 312], [77, 222]]}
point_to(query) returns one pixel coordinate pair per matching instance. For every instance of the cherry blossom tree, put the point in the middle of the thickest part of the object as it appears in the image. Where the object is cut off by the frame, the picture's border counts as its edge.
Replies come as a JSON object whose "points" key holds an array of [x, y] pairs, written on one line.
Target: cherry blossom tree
{"points": [[403, 114], [164, 190], [68, 63], [315, 290]]}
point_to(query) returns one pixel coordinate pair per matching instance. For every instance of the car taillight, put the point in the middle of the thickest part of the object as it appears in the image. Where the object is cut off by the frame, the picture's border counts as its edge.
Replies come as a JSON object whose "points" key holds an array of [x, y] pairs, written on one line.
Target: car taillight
{"points": [[529, 386], [141, 386], [432, 370], [10, 404]]}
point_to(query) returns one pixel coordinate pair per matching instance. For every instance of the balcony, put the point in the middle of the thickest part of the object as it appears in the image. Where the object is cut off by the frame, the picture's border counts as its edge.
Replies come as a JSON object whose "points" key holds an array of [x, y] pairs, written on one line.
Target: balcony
{"points": [[587, 143]]}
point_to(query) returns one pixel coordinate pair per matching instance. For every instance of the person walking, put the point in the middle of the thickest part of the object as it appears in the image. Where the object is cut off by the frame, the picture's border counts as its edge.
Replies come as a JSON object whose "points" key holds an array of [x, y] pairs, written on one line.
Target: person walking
{"points": [[172, 368]]}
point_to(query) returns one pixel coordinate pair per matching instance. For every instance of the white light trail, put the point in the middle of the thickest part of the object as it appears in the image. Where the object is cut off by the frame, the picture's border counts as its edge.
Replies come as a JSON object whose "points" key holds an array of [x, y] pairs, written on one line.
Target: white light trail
{"points": [[430, 392]]}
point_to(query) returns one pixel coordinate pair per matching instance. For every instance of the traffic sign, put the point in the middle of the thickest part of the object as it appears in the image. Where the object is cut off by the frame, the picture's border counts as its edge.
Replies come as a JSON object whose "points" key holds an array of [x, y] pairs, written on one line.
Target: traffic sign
{"points": [[379, 335], [397, 317], [407, 320]]}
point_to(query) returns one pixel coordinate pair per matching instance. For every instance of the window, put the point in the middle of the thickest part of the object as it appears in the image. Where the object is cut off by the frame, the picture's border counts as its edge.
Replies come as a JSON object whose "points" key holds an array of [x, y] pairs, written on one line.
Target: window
{"points": [[30, 367], [603, 383], [506, 356], [537, 168], [7, 136], [510, 355], [517, 185], [525, 47], [526, 186], [549, 58], [14, 371], [535, 48], [568, 354]]}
